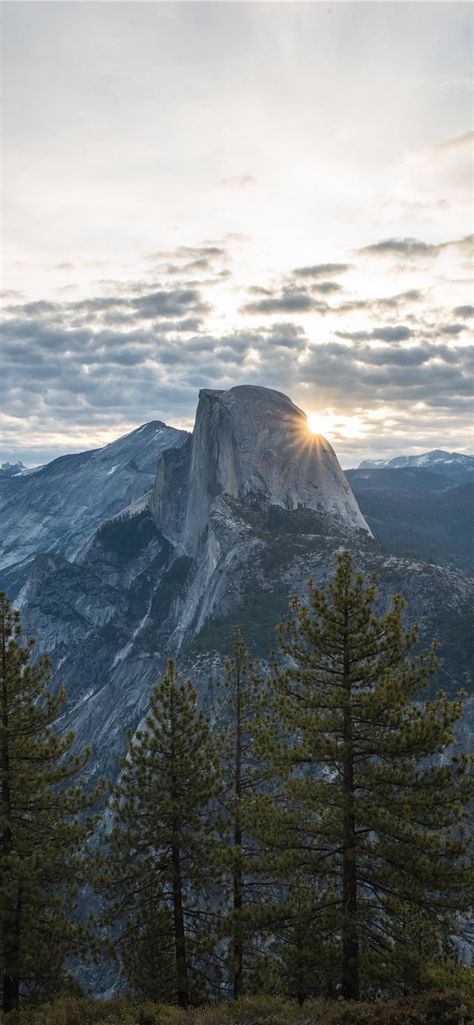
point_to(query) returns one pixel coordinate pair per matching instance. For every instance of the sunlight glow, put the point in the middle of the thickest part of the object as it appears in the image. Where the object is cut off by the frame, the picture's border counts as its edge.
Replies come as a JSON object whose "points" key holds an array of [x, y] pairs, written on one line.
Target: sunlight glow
{"points": [[320, 423], [334, 427]]}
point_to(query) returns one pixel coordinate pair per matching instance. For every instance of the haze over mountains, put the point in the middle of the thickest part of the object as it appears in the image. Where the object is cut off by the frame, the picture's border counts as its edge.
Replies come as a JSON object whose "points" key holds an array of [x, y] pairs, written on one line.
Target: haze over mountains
{"points": [[160, 542]]}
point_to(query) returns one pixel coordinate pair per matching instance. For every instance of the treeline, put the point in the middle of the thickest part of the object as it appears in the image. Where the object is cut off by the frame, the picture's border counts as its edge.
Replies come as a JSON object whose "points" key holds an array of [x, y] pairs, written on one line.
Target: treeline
{"points": [[309, 838]]}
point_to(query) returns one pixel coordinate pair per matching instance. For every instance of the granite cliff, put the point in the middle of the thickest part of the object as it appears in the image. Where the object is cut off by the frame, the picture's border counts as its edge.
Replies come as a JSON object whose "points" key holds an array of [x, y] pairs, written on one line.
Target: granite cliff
{"points": [[251, 445]]}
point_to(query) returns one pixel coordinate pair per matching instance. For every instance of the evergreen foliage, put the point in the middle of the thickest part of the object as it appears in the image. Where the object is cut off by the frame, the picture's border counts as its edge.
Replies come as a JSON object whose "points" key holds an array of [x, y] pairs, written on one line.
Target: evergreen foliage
{"points": [[369, 819], [243, 780], [127, 536], [315, 845], [43, 825], [157, 872]]}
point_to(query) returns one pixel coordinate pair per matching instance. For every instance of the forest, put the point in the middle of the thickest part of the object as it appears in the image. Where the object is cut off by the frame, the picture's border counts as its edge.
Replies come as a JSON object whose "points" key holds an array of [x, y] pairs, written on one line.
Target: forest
{"points": [[298, 853]]}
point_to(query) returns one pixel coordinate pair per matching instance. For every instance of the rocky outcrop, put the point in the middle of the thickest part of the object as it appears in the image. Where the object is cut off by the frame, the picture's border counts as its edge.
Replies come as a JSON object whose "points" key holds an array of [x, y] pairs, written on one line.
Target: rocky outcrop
{"points": [[250, 444]]}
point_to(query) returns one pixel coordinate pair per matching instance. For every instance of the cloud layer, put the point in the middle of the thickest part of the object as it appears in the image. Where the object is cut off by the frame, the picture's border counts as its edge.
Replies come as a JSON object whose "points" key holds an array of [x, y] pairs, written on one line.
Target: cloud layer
{"points": [[387, 371]]}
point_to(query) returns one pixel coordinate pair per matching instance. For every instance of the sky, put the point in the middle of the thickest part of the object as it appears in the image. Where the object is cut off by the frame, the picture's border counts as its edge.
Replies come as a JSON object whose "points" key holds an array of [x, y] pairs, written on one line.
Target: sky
{"points": [[213, 194]]}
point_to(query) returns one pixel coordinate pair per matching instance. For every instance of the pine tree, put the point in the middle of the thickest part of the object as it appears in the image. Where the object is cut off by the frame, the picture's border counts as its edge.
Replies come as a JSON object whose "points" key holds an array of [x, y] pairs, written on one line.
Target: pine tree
{"points": [[370, 808], [158, 875], [43, 826], [304, 956], [242, 774]]}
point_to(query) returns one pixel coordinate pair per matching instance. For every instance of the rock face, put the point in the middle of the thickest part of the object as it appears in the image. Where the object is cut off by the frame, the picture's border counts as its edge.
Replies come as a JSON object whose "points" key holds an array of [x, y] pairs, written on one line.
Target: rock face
{"points": [[251, 445], [58, 507]]}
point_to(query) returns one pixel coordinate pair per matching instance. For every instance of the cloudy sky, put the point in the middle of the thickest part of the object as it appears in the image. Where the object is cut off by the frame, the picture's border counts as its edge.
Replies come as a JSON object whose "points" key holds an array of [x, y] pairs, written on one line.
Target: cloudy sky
{"points": [[210, 194]]}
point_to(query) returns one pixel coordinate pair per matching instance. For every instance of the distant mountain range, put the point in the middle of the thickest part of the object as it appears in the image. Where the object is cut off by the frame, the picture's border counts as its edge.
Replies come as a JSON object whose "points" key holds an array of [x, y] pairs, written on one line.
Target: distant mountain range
{"points": [[451, 464], [162, 541]]}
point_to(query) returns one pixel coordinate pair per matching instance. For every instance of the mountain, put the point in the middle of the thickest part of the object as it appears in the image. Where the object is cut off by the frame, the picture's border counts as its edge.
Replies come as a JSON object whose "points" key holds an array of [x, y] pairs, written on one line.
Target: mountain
{"points": [[253, 446], [418, 512], [12, 469], [238, 516], [454, 465], [58, 507]]}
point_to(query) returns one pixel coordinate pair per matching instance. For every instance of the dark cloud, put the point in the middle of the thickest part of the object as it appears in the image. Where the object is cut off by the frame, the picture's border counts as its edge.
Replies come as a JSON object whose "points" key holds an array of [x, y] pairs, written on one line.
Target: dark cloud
{"points": [[170, 303], [451, 329], [428, 373], [464, 311], [381, 304], [302, 297], [413, 247], [287, 336], [415, 356], [289, 300], [189, 253], [384, 334], [320, 270], [171, 310], [399, 247], [326, 287], [35, 309], [192, 260], [413, 295], [259, 290]]}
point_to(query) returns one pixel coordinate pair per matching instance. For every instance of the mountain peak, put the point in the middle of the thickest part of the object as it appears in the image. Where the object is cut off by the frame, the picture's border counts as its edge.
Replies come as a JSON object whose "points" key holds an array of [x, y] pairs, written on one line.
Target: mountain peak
{"points": [[12, 469], [249, 443], [250, 393]]}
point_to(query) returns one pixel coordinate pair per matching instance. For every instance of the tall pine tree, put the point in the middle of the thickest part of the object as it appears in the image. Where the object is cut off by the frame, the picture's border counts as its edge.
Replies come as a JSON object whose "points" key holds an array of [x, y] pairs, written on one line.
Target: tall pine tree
{"points": [[157, 871], [243, 779], [43, 825], [367, 807]]}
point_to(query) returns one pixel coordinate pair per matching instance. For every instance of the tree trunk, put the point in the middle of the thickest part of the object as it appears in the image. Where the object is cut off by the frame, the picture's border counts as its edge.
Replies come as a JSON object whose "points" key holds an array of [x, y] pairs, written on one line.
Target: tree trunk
{"points": [[182, 984], [350, 935], [11, 976], [237, 923], [300, 980], [11, 993], [182, 989]]}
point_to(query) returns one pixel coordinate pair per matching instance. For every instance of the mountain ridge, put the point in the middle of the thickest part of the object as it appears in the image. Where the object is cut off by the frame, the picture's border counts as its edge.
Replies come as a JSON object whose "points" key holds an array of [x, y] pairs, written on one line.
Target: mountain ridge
{"points": [[59, 506], [454, 464]]}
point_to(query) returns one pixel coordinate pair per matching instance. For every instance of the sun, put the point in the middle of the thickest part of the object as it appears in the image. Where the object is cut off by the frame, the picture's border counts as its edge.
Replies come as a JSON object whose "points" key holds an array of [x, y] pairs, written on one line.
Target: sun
{"points": [[319, 424], [335, 426]]}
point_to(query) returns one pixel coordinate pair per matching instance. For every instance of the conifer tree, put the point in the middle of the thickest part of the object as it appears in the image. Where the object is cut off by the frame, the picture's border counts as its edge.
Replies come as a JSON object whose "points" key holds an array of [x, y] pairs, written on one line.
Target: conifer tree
{"points": [[366, 808], [242, 776], [43, 826], [303, 954], [158, 875]]}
